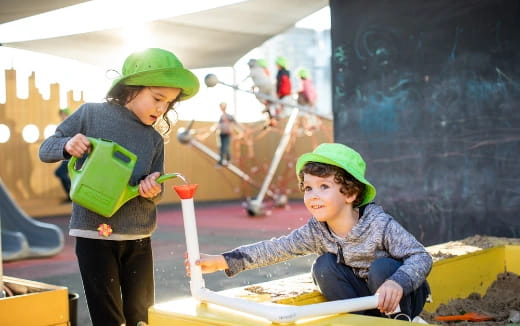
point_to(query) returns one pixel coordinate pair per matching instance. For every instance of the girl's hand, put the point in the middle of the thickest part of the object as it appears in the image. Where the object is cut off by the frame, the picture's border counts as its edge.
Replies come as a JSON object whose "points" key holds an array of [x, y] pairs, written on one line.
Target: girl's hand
{"points": [[148, 187], [390, 294], [207, 263], [77, 145]]}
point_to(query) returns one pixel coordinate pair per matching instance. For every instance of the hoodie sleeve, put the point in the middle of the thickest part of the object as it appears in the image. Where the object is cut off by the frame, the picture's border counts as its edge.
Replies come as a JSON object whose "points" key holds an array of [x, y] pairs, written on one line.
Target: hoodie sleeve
{"points": [[300, 242], [417, 262]]}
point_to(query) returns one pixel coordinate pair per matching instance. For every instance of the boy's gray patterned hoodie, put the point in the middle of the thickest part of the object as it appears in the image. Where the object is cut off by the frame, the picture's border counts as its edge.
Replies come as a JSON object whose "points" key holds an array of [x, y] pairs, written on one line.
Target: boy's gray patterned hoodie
{"points": [[376, 235]]}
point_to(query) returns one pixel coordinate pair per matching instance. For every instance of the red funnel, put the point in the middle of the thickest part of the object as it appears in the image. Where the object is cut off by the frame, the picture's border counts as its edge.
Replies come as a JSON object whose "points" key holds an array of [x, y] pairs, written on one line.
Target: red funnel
{"points": [[186, 191]]}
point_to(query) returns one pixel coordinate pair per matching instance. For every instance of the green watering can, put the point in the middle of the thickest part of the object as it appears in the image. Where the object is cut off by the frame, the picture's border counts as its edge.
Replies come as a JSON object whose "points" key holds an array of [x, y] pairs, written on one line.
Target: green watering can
{"points": [[101, 184]]}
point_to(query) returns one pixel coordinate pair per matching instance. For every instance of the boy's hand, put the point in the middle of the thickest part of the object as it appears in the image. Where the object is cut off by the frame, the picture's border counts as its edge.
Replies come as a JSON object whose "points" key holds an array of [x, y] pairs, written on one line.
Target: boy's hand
{"points": [[148, 187], [390, 294], [207, 263], [77, 145]]}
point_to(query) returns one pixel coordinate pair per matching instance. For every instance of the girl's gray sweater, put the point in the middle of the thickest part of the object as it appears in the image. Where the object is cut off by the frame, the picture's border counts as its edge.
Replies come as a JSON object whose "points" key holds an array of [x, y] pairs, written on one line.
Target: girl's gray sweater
{"points": [[376, 235], [136, 218]]}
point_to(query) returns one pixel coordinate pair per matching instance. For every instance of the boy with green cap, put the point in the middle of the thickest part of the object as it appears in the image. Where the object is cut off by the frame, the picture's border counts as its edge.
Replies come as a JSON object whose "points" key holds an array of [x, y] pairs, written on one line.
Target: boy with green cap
{"points": [[115, 255], [361, 249]]}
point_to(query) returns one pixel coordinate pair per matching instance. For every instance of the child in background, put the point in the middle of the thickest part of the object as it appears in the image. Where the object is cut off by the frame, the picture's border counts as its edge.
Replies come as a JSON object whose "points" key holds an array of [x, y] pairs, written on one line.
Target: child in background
{"points": [[225, 126], [115, 255], [283, 83], [283, 79], [307, 93], [262, 63], [62, 171], [361, 249], [262, 86]]}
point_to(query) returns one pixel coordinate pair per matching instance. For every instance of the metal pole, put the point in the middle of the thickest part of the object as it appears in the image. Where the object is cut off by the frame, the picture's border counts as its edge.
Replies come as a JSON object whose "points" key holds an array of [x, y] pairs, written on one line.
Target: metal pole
{"points": [[266, 97], [256, 205], [235, 100], [231, 167]]}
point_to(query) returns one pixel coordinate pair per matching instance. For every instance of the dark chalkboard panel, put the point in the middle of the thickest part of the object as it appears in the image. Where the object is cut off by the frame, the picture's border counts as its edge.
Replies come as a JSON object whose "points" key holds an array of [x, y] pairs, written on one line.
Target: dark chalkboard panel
{"points": [[429, 93]]}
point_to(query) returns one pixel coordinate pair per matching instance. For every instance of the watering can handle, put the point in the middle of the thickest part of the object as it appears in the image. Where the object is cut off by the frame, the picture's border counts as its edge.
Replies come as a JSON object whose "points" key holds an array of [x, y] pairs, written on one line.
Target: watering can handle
{"points": [[72, 161], [70, 167], [95, 142]]}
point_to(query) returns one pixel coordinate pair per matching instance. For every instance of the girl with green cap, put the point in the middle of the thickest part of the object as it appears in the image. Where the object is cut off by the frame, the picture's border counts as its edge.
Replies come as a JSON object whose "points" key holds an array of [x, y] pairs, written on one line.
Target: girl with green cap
{"points": [[115, 255], [307, 93], [283, 78], [361, 249], [283, 84]]}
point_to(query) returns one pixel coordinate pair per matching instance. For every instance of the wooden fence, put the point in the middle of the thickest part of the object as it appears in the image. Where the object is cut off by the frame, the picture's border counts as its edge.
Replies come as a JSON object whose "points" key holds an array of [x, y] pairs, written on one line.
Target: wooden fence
{"points": [[34, 187]]}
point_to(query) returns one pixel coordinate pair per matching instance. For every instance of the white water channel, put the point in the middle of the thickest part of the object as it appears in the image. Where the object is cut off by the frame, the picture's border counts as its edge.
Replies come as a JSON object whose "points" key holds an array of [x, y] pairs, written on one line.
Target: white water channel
{"points": [[277, 313]]}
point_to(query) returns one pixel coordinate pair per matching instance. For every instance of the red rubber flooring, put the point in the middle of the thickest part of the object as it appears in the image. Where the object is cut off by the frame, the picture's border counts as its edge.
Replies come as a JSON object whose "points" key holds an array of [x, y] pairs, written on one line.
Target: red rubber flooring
{"points": [[220, 227]]}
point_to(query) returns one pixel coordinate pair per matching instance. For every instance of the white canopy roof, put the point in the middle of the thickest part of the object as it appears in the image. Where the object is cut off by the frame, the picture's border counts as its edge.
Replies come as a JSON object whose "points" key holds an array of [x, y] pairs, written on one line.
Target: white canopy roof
{"points": [[209, 38]]}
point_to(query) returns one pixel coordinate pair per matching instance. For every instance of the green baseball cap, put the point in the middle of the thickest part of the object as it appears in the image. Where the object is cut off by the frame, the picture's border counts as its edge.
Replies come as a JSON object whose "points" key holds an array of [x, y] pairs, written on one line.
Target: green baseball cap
{"points": [[160, 68], [303, 73], [262, 63], [281, 61], [341, 156]]}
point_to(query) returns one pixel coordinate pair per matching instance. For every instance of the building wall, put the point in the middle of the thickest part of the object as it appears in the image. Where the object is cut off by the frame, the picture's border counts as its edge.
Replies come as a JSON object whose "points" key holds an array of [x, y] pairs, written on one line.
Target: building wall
{"points": [[429, 93]]}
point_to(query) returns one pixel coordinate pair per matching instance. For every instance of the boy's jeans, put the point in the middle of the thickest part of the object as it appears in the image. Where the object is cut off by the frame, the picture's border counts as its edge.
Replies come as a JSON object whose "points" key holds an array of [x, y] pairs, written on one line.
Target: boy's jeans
{"points": [[337, 281]]}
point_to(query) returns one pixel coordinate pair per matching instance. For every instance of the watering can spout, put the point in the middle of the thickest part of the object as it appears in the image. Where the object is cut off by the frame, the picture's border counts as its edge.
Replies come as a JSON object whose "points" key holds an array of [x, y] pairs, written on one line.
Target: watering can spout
{"points": [[133, 191]]}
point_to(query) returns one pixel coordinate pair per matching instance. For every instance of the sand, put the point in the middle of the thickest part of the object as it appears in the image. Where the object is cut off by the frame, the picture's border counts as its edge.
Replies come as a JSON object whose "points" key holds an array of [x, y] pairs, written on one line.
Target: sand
{"points": [[501, 301]]}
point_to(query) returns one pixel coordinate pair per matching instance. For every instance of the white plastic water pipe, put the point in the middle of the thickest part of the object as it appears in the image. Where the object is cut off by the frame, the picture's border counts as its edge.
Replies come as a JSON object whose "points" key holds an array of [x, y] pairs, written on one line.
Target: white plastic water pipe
{"points": [[279, 313], [276, 313], [192, 243]]}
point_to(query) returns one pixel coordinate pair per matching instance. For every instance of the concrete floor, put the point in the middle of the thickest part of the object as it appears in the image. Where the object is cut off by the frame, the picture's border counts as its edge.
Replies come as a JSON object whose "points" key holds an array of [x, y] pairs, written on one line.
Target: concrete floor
{"points": [[221, 226]]}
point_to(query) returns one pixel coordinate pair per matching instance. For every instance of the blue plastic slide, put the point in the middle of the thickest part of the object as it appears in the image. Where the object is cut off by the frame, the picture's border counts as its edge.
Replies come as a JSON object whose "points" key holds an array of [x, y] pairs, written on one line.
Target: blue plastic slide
{"points": [[24, 237]]}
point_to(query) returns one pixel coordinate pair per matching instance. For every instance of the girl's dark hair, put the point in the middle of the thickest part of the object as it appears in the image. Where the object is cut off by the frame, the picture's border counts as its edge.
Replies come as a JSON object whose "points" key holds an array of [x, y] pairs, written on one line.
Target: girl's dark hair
{"points": [[348, 184], [121, 94]]}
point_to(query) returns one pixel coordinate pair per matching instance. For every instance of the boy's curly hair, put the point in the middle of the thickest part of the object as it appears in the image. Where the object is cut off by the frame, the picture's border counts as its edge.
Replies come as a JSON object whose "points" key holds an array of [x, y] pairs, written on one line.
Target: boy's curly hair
{"points": [[349, 184], [122, 94]]}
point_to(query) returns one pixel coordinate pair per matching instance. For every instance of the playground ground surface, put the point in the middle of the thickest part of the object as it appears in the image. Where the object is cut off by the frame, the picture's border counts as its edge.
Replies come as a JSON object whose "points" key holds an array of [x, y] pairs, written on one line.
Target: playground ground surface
{"points": [[221, 226]]}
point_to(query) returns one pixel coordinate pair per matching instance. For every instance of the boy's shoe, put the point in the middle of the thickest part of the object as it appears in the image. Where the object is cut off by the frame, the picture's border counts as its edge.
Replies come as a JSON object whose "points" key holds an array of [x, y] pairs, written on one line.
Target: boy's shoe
{"points": [[419, 320]]}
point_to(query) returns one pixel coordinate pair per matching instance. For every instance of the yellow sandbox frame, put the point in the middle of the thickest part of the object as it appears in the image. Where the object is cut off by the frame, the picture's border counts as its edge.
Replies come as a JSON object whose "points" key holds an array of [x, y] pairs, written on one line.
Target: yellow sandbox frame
{"points": [[44, 305], [457, 277], [450, 278]]}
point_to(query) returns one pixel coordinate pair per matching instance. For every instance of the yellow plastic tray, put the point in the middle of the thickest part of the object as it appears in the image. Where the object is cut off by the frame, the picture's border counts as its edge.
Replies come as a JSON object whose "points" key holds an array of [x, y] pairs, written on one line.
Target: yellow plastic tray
{"points": [[44, 305]]}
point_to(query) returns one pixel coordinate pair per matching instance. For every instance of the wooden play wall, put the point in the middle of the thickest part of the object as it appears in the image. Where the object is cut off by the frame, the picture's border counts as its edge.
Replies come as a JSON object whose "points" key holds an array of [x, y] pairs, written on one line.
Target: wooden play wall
{"points": [[35, 188], [429, 93]]}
